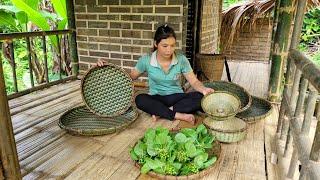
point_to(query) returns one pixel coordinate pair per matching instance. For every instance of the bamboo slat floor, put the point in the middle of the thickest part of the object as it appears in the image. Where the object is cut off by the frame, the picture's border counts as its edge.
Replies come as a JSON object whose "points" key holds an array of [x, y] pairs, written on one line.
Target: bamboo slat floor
{"points": [[47, 152]]}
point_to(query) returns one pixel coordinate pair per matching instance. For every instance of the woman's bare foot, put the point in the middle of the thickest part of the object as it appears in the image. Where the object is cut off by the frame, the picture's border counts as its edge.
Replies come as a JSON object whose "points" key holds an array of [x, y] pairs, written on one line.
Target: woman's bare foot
{"points": [[155, 118], [186, 117]]}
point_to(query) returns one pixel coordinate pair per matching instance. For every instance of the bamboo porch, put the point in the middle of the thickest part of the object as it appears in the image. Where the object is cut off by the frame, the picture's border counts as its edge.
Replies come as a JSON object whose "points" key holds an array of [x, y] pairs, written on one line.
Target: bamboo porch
{"points": [[47, 152]]}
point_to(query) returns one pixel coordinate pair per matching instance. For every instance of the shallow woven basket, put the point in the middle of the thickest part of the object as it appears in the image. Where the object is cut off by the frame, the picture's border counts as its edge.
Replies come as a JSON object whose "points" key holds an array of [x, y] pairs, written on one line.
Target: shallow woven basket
{"points": [[221, 105], [229, 131], [259, 109], [107, 90], [81, 121], [233, 88], [216, 150]]}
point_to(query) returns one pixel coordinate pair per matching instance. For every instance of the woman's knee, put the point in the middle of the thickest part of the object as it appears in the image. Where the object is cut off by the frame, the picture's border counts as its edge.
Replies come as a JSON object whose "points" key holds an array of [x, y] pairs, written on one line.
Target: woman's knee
{"points": [[140, 99]]}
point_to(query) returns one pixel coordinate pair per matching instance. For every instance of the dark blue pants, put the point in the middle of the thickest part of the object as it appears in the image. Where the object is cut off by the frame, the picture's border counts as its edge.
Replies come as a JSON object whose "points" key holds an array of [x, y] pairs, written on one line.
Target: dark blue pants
{"points": [[159, 105]]}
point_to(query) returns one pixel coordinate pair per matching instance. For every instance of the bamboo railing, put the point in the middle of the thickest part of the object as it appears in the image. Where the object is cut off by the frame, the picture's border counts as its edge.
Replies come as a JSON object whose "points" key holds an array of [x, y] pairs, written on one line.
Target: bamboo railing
{"points": [[296, 113], [43, 35]]}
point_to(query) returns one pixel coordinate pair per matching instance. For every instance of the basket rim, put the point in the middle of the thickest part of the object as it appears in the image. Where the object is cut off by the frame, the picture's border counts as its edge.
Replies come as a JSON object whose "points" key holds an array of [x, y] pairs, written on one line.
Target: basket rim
{"points": [[93, 132], [121, 111], [242, 88], [230, 131], [191, 176], [256, 118], [226, 92]]}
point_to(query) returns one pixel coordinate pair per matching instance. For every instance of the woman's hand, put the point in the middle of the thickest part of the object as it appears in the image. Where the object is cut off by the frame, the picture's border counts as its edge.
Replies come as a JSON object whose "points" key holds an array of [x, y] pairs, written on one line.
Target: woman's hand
{"points": [[206, 90], [101, 62]]}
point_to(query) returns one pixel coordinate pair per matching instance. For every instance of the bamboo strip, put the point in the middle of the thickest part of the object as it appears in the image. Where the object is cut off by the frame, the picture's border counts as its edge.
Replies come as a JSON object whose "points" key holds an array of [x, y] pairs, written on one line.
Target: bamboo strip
{"points": [[34, 120], [19, 101], [42, 101], [72, 153], [40, 87]]}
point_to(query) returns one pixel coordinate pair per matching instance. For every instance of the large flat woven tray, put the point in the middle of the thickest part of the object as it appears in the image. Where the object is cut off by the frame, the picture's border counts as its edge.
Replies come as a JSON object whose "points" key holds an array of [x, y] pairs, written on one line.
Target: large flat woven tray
{"points": [[259, 109], [81, 121], [107, 90], [233, 88]]}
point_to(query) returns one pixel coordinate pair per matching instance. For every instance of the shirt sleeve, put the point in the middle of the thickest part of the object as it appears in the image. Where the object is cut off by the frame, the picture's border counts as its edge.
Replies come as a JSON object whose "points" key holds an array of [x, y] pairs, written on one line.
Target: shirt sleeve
{"points": [[186, 67], [141, 64]]}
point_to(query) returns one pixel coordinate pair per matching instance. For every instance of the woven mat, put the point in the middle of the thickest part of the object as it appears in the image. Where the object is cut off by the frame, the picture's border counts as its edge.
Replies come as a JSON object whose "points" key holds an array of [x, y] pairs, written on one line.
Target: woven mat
{"points": [[81, 121], [107, 91]]}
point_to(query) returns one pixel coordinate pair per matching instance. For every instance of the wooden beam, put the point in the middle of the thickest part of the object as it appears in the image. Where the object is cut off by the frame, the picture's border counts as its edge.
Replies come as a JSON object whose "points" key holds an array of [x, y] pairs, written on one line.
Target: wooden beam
{"points": [[73, 41], [9, 157], [21, 35], [280, 48]]}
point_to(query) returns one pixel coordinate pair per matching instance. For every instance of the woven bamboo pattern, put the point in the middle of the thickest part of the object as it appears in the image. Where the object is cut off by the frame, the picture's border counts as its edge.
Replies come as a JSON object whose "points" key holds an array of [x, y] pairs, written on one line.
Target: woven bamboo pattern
{"points": [[233, 88], [220, 105], [81, 121], [107, 90], [216, 150], [229, 131], [259, 109], [211, 65]]}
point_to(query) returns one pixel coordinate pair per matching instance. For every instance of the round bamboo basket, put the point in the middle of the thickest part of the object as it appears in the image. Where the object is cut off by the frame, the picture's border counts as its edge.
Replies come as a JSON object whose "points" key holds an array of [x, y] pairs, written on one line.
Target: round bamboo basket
{"points": [[229, 131], [220, 105], [233, 88], [81, 121], [107, 91], [259, 109]]}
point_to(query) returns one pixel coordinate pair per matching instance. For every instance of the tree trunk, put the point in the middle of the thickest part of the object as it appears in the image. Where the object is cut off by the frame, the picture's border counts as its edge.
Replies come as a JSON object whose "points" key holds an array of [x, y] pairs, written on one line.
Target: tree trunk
{"points": [[280, 49]]}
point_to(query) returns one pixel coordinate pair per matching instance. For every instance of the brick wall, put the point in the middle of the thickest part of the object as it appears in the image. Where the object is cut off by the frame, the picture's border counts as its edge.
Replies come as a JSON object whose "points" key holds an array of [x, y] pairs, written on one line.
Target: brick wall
{"points": [[210, 21], [122, 30], [252, 44]]}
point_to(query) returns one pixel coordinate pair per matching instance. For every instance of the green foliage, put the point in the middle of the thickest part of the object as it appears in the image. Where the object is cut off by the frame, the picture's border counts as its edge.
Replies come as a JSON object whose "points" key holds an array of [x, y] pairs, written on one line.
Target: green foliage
{"points": [[311, 27], [168, 153], [17, 16], [310, 35], [227, 3]]}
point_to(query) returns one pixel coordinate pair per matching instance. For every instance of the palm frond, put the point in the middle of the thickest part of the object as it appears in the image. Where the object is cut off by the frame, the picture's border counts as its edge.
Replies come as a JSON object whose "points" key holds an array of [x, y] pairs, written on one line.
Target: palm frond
{"points": [[237, 16]]}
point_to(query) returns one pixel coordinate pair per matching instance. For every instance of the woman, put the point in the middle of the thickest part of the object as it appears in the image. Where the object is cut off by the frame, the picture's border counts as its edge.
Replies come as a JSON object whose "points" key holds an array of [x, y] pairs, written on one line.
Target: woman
{"points": [[164, 66]]}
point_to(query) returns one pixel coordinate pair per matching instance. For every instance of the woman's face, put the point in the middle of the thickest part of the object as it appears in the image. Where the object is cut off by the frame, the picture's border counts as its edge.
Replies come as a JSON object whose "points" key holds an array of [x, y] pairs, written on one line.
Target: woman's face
{"points": [[166, 47]]}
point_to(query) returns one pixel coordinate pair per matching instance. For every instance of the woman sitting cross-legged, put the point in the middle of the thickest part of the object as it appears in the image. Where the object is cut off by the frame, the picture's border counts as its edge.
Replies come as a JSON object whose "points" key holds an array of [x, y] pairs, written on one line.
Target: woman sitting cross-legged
{"points": [[164, 67]]}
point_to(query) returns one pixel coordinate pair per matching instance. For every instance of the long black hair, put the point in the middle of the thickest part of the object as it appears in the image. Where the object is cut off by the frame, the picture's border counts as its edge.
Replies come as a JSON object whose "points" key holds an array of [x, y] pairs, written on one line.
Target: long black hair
{"points": [[163, 32]]}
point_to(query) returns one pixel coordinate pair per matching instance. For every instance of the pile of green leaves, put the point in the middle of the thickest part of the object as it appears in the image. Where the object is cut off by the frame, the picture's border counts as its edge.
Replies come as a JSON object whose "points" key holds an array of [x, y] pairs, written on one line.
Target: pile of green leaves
{"points": [[181, 153]]}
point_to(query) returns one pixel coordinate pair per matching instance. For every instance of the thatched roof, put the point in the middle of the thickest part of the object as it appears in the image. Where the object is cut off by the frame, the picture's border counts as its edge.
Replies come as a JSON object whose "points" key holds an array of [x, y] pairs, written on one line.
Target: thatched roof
{"points": [[240, 14]]}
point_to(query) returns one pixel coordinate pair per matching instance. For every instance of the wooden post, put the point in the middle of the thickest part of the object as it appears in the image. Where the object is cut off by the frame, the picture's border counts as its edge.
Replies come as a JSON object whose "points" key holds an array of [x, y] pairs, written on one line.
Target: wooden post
{"points": [[280, 49], [9, 157], [73, 38], [315, 150]]}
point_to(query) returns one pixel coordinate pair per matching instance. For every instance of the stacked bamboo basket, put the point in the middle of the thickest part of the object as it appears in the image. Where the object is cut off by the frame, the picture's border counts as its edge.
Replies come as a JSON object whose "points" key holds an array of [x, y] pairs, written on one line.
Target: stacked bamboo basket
{"points": [[107, 93], [230, 109], [221, 108]]}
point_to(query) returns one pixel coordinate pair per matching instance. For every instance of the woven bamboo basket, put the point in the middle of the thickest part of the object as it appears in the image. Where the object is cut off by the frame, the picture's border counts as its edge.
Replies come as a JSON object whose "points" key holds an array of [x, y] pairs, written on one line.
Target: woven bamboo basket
{"points": [[216, 150], [211, 65], [258, 110], [220, 105], [81, 121], [229, 131], [107, 91], [233, 88]]}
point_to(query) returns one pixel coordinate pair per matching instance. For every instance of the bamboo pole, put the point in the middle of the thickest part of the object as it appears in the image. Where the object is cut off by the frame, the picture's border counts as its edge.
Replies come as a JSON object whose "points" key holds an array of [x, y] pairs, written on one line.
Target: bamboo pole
{"points": [[9, 157], [14, 73], [274, 24], [308, 68], [280, 49], [315, 150], [73, 41]]}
